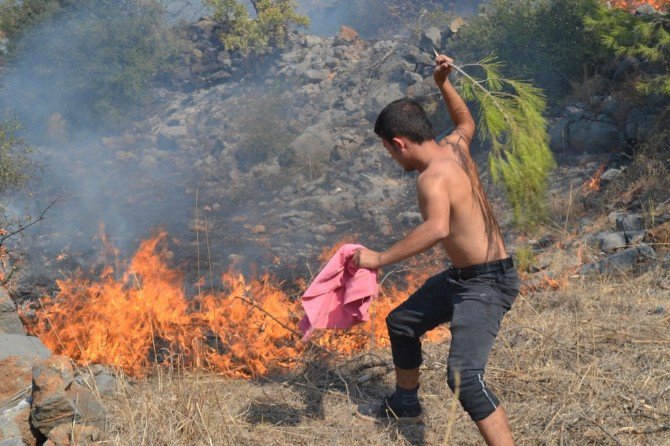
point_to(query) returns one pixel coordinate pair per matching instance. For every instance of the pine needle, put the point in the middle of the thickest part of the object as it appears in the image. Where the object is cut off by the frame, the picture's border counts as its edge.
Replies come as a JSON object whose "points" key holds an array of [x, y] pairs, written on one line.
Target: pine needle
{"points": [[511, 119]]}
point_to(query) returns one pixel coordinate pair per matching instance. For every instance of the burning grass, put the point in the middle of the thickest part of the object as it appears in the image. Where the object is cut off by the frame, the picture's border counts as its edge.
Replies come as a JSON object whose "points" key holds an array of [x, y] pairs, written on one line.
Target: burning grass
{"points": [[585, 365], [143, 316]]}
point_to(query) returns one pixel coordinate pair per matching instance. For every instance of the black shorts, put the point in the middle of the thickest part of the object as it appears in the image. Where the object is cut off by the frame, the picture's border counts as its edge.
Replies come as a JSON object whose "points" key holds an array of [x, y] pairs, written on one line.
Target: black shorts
{"points": [[475, 303]]}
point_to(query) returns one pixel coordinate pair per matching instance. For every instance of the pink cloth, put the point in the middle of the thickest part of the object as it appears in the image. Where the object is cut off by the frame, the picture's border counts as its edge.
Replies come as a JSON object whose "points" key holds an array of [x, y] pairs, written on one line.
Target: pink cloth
{"points": [[340, 294]]}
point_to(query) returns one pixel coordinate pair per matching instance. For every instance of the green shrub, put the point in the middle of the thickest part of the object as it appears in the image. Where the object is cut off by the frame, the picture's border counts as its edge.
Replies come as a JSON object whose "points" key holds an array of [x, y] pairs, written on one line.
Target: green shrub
{"points": [[272, 26], [541, 40], [89, 61]]}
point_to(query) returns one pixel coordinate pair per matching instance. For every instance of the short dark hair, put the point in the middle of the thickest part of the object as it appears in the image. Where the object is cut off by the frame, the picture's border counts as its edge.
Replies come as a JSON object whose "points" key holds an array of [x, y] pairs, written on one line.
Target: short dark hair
{"points": [[404, 117]]}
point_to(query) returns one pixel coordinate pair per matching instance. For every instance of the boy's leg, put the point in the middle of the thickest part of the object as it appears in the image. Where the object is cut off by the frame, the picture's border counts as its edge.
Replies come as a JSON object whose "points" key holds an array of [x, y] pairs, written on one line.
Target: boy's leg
{"points": [[428, 307], [479, 307]]}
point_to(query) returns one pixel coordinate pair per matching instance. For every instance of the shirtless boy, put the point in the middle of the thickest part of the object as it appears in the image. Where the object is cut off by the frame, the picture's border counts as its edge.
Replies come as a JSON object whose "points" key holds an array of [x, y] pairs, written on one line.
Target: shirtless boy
{"points": [[475, 292]]}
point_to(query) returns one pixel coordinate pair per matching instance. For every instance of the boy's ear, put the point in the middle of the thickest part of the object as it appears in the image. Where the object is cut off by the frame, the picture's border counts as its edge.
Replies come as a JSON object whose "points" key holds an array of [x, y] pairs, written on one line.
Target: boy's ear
{"points": [[399, 143]]}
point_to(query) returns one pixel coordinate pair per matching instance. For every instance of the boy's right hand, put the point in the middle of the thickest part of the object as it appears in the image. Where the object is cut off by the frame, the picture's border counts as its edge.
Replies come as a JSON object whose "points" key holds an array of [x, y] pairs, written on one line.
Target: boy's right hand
{"points": [[442, 69]]}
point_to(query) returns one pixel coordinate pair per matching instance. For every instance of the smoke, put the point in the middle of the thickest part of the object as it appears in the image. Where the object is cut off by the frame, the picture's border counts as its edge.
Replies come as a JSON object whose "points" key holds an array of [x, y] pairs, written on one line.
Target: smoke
{"points": [[75, 79]]}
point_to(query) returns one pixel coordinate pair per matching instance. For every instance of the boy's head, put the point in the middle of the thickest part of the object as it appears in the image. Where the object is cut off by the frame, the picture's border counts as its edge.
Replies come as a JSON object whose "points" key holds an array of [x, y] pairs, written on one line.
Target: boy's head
{"points": [[407, 118]]}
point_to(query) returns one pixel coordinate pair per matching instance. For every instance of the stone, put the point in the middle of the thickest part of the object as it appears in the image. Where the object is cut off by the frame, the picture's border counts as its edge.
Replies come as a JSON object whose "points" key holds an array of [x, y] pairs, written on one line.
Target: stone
{"points": [[9, 319], [594, 137], [609, 105], [558, 135], [310, 40], [74, 435], [456, 24], [573, 113], [640, 123], [380, 97], [313, 76], [14, 441], [610, 174], [410, 77], [610, 242], [618, 262], [345, 36], [626, 67], [431, 39], [23, 346], [51, 406], [15, 377], [315, 143], [410, 218], [87, 407], [629, 222], [205, 26], [168, 137]]}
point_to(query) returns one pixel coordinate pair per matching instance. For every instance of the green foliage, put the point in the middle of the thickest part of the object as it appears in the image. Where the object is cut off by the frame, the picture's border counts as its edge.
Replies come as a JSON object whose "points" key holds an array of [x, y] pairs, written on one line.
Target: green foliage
{"points": [[541, 40], [14, 162], [646, 37], [272, 26], [90, 61], [510, 117]]}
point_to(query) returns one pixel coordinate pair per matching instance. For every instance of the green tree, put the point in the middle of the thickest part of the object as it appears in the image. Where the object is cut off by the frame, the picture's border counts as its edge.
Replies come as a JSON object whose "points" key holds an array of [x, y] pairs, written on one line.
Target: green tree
{"points": [[272, 26], [646, 37], [542, 40]]}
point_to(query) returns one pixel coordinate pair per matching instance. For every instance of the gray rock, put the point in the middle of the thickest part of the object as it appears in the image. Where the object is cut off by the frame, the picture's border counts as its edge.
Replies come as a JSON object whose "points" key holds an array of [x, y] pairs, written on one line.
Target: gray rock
{"points": [[609, 242], [410, 218], [315, 143], [411, 77], [609, 105], [380, 97], [619, 262], [558, 135], [14, 441], [610, 174], [205, 26], [629, 222], [9, 319], [594, 137], [431, 39], [640, 123], [23, 346], [168, 137], [646, 10], [310, 41], [626, 67], [313, 76], [573, 113]]}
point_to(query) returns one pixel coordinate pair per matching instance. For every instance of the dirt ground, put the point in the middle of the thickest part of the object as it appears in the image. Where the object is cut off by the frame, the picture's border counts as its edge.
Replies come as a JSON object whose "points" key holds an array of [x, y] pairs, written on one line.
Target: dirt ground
{"points": [[587, 364]]}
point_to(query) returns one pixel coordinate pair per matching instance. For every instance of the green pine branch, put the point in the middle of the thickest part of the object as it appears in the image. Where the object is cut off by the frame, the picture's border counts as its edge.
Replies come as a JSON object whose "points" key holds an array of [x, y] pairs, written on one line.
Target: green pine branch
{"points": [[511, 119]]}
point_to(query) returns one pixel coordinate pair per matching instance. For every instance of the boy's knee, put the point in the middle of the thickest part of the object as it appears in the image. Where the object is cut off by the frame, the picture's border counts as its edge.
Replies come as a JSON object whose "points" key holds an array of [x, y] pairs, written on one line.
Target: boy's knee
{"points": [[475, 397]]}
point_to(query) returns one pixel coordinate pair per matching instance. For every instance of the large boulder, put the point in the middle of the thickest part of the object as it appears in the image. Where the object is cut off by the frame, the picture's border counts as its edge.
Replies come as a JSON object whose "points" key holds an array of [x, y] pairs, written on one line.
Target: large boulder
{"points": [[594, 137], [314, 144], [640, 123], [51, 406], [619, 262], [9, 319], [23, 346]]}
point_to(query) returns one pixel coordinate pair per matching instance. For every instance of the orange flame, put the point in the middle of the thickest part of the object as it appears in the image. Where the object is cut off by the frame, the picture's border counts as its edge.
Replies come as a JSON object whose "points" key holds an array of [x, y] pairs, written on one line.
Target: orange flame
{"points": [[632, 5], [144, 317], [593, 184]]}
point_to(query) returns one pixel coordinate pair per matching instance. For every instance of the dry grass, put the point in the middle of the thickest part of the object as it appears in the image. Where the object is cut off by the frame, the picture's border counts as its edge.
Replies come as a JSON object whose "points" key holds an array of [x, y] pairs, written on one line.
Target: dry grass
{"points": [[586, 365]]}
